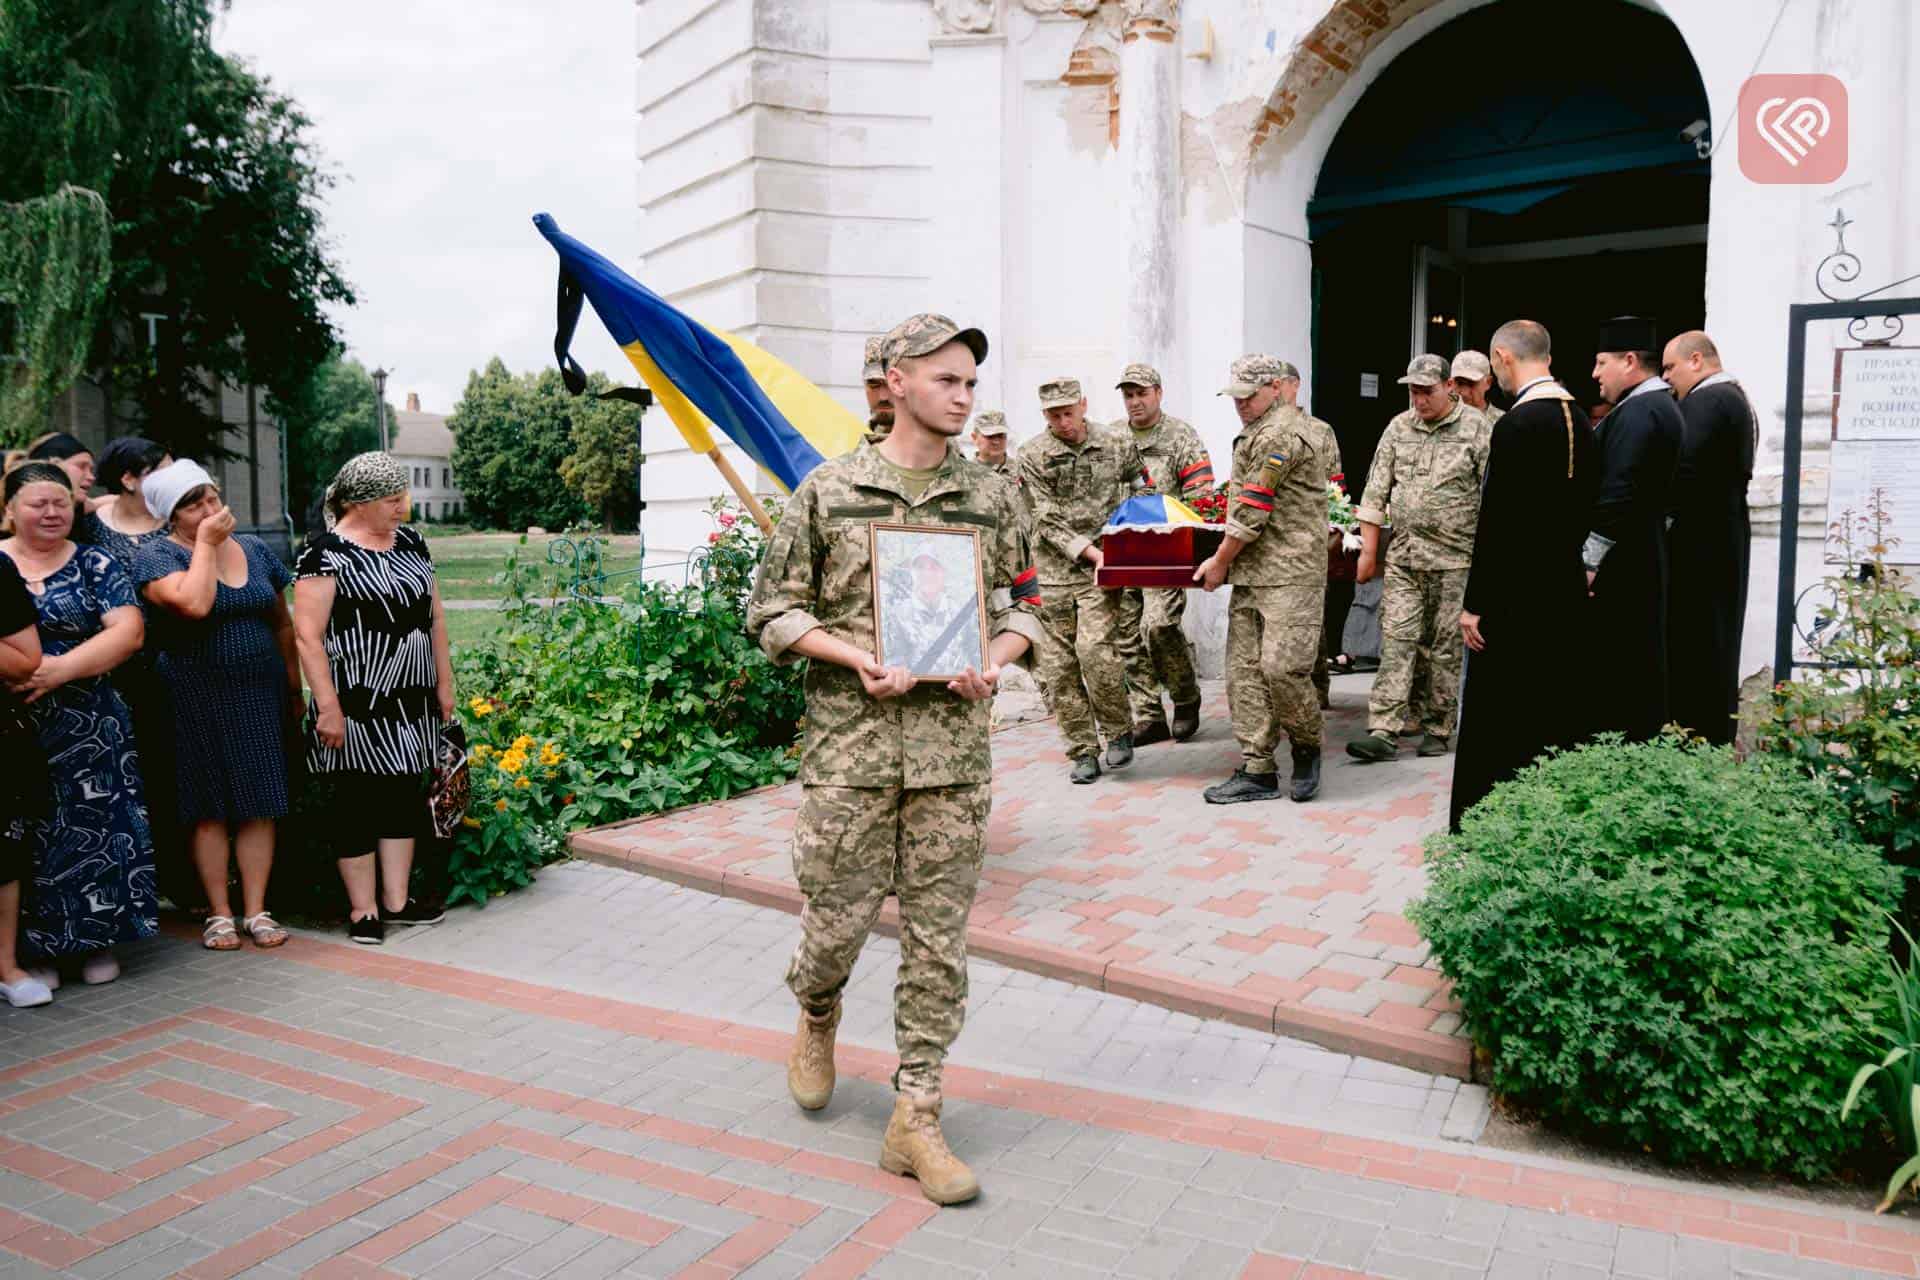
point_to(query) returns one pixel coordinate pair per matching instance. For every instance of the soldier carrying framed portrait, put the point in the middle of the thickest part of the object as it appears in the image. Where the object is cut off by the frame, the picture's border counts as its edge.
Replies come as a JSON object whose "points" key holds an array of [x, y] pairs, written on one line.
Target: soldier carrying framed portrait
{"points": [[929, 599]]}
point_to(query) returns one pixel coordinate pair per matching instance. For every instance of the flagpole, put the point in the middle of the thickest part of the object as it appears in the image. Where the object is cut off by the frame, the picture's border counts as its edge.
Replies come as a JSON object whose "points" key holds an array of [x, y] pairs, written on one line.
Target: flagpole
{"points": [[740, 491]]}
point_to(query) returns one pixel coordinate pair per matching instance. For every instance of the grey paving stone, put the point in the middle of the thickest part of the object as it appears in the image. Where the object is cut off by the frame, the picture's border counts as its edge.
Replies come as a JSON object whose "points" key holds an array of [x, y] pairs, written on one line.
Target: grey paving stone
{"points": [[1642, 1253], [324, 1244], [436, 1249], [170, 1261], [603, 1259], [549, 1255], [110, 1261], [483, 1259]]}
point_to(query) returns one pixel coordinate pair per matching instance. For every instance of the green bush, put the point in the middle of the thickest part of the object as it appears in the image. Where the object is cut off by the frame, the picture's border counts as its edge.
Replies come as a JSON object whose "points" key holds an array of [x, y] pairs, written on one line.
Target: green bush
{"points": [[1665, 947], [588, 712], [1856, 726]]}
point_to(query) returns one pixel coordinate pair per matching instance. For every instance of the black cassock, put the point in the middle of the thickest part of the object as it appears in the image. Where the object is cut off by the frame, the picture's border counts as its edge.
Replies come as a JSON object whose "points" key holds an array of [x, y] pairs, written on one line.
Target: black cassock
{"points": [[1708, 549], [1529, 587], [1625, 671]]}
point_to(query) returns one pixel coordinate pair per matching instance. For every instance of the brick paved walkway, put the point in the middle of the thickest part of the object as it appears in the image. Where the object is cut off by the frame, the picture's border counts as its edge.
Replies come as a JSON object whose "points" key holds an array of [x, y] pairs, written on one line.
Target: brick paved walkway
{"points": [[337, 1111], [1274, 915]]}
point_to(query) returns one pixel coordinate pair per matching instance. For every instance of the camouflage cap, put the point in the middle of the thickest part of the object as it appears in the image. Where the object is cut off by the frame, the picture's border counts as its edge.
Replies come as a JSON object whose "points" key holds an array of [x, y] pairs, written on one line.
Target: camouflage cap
{"points": [[925, 334], [876, 368], [1139, 375], [1471, 365], [1251, 372], [1060, 392], [990, 423], [1425, 371]]}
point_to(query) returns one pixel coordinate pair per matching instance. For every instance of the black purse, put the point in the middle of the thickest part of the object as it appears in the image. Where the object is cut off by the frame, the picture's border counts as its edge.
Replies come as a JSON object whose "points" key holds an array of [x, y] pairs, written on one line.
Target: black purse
{"points": [[450, 788], [26, 784]]}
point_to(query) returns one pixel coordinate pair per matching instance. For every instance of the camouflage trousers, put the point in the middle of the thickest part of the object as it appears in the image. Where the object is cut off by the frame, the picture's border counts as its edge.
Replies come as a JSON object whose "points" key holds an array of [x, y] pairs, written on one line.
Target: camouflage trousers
{"points": [[1273, 637], [1419, 626], [1156, 650], [852, 847], [1081, 667]]}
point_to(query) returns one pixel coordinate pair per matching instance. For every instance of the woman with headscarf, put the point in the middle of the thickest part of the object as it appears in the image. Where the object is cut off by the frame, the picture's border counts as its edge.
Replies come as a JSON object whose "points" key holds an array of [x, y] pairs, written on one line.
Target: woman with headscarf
{"points": [[119, 524], [72, 457], [372, 637], [224, 645], [93, 858]]}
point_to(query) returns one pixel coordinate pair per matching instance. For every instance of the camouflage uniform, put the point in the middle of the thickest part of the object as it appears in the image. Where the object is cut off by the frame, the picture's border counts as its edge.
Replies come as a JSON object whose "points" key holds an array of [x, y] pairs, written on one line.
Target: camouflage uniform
{"points": [[1070, 490], [1278, 506], [896, 789], [1177, 464], [873, 369], [1425, 476]]}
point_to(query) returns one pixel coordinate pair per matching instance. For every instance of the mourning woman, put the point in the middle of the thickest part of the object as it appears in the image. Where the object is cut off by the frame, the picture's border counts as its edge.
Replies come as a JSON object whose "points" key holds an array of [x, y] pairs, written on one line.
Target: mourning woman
{"points": [[92, 882], [22, 782], [120, 523], [224, 646], [72, 457], [372, 638]]}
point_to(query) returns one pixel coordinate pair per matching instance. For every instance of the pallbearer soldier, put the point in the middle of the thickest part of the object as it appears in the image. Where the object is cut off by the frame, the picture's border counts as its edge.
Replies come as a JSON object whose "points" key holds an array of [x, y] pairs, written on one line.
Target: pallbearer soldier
{"points": [[895, 773], [879, 398], [1071, 479], [1275, 555], [1472, 379], [990, 444], [1426, 474], [1178, 465]]}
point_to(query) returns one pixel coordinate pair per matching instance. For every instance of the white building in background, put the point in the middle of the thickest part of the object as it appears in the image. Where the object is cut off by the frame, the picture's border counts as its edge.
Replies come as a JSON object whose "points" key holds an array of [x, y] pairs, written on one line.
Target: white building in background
{"points": [[1338, 182], [422, 442]]}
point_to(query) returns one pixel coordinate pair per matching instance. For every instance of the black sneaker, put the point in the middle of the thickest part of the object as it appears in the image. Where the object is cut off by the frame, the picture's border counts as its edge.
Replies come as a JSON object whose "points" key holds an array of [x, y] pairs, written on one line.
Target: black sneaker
{"points": [[1243, 786], [1432, 745], [1374, 748], [369, 932], [1085, 769], [1306, 773], [1186, 720], [415, 913], [1148, 732], [1120, 751]]}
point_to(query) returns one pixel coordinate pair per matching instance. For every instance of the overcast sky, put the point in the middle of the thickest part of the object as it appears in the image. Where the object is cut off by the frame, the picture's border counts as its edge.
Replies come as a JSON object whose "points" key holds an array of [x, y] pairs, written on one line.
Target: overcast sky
{"points": [[450, 124]]}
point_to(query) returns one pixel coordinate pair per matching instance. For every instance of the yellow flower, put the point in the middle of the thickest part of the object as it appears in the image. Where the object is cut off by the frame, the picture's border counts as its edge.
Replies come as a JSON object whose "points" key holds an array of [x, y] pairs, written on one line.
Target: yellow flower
{"points": [[522, 783], [549, 756], [482, 751], [470, 822], [480, 706], [500, 804], [523, 743], [511, 762]]}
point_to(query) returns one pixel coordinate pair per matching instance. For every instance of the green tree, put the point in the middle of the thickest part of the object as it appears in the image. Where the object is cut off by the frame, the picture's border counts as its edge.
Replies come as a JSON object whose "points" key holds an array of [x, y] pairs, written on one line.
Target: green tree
{"points": [[605, 436], [174, 181], [327, 420], [511, 432]]}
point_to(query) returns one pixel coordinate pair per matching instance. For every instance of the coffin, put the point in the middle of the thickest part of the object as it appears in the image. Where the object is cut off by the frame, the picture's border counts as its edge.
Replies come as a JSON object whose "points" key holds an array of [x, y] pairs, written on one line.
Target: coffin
{"points": [[1155, 558]]}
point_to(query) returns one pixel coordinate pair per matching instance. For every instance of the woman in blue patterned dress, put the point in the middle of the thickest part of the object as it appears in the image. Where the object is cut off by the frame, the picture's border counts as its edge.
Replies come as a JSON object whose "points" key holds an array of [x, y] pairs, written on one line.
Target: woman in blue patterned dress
{"points": [[93, 858], [224, 645], [372, 637]]}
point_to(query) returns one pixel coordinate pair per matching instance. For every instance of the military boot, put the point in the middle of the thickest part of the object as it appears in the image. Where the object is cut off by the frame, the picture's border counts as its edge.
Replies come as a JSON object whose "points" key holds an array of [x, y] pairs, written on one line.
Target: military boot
{"points": [[1148, 732], [1432, 745], [1306, 773], [1119, 751], [1374, 748], [810, 1065], [1085, 768], [1186, 720], [915, 1146], [1244, 786]]}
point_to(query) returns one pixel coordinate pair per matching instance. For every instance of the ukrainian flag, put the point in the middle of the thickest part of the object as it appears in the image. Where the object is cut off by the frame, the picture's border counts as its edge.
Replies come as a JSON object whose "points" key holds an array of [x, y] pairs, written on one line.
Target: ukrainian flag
{"points": [[706, 377]]}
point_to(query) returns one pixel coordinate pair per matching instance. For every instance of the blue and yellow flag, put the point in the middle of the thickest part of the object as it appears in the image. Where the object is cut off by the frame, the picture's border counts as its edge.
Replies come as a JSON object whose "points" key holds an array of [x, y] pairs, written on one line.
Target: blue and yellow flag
{"points": [[704, 377]]}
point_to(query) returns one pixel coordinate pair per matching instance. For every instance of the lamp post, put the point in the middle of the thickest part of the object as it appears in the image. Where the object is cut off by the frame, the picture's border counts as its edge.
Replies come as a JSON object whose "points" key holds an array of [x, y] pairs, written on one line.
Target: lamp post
{"points": [[380, 404]]}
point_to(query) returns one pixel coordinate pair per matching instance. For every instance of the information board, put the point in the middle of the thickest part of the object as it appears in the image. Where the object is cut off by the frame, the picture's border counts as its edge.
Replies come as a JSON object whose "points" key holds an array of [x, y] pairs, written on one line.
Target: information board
{"points": [[1876, 443]]}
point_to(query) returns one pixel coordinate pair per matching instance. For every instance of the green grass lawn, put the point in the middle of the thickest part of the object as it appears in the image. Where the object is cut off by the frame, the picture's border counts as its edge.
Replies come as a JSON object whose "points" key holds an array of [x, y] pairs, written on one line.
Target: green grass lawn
{"points": [[465, 563]]}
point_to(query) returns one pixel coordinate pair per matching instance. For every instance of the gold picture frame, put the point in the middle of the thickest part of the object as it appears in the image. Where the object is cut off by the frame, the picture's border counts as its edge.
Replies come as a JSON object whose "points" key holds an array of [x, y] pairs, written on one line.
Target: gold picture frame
{"points": [[929, 599]]}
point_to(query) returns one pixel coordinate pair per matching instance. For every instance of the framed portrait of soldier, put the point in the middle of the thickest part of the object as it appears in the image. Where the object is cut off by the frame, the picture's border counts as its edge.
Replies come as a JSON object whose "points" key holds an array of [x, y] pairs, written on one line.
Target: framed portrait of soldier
{"points": [[929, 599]]}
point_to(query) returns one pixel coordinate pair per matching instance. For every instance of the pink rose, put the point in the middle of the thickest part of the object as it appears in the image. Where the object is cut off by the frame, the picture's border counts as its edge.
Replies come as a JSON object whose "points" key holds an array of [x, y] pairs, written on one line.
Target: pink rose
{"points": [[713, 537], [728, 519]]}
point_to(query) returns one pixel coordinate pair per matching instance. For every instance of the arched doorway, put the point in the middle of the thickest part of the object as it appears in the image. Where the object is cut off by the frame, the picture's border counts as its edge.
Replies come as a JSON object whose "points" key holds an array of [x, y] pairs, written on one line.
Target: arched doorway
{"points": [[1489, 173]]}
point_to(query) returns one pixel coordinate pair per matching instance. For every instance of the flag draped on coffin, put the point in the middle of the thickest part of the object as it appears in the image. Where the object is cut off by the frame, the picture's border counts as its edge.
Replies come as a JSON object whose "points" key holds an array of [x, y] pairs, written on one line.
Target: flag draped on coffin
{"points": [[1152, 512], [706, 377]]}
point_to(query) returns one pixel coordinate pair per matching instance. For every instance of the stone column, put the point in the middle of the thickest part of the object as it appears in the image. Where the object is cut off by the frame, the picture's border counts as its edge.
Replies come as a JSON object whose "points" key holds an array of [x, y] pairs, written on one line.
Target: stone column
{"points": [[966, 201], [1150, 165]]}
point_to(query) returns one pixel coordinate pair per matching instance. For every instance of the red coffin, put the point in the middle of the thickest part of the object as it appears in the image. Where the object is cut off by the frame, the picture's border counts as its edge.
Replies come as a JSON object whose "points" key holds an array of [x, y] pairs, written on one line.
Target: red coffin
{"points": [[1148, 558]]}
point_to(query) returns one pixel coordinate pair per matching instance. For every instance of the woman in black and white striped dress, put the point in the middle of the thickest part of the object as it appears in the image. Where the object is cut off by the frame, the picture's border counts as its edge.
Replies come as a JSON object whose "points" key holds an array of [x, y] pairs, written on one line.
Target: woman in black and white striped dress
{"points": [[372, 636]]}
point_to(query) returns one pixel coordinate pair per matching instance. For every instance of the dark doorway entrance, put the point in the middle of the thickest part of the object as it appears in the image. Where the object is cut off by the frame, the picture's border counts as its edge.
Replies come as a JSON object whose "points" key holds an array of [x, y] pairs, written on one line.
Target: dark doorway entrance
{"points": [[1485, 176]]}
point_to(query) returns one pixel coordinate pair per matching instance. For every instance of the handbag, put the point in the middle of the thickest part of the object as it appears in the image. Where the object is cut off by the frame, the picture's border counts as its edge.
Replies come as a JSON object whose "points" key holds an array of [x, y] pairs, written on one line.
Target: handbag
{"points": [[450, 789]]}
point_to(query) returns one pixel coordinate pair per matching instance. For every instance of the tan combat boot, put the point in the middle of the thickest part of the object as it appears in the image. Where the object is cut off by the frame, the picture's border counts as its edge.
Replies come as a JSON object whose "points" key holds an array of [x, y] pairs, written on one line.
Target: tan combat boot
{"points": [[914, 1145], [810, 1065]]}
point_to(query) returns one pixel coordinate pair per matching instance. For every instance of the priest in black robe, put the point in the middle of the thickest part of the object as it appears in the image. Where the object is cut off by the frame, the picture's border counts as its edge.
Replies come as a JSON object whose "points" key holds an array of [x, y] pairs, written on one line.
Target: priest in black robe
{"points": [[1526, 589], [1625, 672], [1710, 537]]}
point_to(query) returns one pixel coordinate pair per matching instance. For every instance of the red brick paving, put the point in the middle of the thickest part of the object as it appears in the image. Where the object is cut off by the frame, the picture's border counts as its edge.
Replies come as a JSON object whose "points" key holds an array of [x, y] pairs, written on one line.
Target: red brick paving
{"points": [[1135, 884]]}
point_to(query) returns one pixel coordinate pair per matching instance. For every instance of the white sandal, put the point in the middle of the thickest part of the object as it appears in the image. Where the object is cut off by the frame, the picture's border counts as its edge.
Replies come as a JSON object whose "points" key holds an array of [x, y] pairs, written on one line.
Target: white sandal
{"points": [[219, 935], [28, 993], [264, 924]]}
